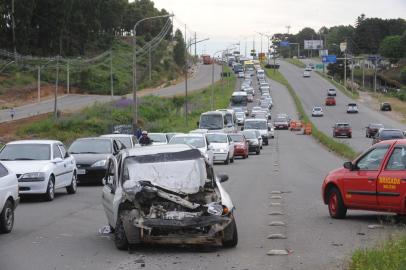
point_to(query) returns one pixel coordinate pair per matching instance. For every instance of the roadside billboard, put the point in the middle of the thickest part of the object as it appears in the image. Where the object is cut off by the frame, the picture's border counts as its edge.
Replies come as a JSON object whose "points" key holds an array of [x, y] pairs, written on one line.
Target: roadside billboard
{"points": [[313, 44]]}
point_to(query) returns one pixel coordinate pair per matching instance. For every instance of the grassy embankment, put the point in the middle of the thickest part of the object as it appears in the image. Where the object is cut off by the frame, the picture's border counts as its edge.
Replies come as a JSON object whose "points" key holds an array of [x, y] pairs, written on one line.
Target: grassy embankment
{"points": [[93, 76], [296, 62], [340, 148], [156, 114], [389, 256]]}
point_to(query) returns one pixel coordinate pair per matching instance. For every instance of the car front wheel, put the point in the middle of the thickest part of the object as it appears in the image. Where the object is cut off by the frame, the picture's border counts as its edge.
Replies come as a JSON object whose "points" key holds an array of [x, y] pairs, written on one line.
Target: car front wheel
{"points": [[336, 205], [120, 238], [50, 193], [71, 189], [7, 217], [230, 235]]}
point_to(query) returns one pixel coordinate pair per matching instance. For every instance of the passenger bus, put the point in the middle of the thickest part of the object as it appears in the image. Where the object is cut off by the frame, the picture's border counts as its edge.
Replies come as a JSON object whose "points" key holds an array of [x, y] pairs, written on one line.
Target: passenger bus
{"points": [[239, 100]]}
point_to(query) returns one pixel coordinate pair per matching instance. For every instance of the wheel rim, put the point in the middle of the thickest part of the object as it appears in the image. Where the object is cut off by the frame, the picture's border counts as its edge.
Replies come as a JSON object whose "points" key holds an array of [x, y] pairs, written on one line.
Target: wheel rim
{"points": [[74, 182], [333, 204], [51, 189], [9, 215]]}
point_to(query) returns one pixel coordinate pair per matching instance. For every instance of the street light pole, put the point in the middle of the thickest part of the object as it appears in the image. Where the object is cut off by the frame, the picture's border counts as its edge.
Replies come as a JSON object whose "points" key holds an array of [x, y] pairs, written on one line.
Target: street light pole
{"points": [[134, 86]]}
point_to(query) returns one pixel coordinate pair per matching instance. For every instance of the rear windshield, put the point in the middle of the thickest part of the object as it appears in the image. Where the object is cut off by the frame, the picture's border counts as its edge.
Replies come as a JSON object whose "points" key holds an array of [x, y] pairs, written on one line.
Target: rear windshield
{"points": [[237, 137], [343, 125], [391, 134], [249, 134]]}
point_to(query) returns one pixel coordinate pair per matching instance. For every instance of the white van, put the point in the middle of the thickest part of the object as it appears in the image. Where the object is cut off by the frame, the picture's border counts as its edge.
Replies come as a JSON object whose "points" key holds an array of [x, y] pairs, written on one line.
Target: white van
{"points": [[217, 121]]}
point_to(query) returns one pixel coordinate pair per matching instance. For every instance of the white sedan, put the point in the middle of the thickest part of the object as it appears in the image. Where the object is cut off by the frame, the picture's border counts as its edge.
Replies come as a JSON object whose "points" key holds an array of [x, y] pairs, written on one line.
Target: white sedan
{"points": [[317, 111], [222, 146], [8, 198], [41, 166], [198, 141], [306, 74]]}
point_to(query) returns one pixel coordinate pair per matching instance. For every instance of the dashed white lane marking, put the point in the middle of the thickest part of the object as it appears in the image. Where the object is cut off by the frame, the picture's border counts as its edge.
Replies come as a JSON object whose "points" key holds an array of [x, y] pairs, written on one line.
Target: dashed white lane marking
{"points": [[276, 236], [277, 223], [276, 213], [276, 197], [279, 252], [276, 204], [276, 192]]}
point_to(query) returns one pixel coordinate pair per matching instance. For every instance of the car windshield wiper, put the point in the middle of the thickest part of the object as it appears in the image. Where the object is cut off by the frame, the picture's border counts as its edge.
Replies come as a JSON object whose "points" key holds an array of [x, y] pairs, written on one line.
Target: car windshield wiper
{"points": [[4, 159], [24, 159]]}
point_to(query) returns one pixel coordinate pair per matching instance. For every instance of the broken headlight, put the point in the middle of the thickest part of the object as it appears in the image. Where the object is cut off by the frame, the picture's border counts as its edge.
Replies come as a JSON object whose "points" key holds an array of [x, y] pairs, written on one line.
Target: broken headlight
{"points": [[132, 187], [214, 209]]}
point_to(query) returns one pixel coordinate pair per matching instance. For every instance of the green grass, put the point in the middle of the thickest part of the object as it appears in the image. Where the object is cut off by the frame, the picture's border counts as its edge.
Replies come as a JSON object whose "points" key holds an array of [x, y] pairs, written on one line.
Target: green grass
{"points": [[388, 256], [296, 62], [348, 93], [340, 148], [156, 115], [94, 77]]}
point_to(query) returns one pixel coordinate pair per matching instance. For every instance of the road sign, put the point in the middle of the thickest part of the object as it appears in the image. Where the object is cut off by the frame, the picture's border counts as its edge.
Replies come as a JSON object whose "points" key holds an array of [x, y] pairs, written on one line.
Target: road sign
{"points": [[284, 44], [319, 66], [343, 46], [313, 44], [329, 58]]}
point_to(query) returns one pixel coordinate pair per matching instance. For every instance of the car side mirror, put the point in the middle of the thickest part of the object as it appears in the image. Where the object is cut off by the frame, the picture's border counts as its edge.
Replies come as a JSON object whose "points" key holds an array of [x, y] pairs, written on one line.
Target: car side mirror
{"points": [[197, 123], [242, 128], [348, 165], [222, 177], [57, 160]]}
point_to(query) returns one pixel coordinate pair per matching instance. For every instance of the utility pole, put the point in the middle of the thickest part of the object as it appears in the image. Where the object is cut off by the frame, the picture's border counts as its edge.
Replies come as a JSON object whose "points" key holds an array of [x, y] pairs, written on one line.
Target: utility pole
{"points": [[39, 84], [352, 73], [363, 73], [212, 83], [111, 75], [195, 44], [14, 34], [56, 89], [375, 64], [186, 75], [149, 63], [345, 69], [67, 78]]}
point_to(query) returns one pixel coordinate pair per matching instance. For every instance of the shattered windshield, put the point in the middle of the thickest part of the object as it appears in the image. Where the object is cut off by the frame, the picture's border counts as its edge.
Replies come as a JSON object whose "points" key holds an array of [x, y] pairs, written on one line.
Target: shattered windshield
{"points": [[181, 172]]}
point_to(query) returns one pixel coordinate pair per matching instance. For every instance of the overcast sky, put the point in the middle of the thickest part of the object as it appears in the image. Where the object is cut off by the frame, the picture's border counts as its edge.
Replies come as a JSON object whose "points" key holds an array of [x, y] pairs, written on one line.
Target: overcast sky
{"points": [[229, 21]]}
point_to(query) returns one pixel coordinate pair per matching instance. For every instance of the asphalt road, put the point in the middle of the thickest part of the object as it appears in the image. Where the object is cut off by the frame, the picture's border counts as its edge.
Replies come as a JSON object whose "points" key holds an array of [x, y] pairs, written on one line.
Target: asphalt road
{"points": [[63, 234], [313, 91], [74, 102]]}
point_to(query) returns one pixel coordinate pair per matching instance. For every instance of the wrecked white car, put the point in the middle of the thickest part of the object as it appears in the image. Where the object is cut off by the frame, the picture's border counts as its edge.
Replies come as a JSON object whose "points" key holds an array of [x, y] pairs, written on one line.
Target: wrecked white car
{"points": [[167, 194]]}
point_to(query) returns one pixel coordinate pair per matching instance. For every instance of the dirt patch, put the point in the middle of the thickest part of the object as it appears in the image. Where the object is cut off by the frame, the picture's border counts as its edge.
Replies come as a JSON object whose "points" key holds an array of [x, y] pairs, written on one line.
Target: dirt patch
{"points": [[373, 101], [15, 97], [9, 129]]}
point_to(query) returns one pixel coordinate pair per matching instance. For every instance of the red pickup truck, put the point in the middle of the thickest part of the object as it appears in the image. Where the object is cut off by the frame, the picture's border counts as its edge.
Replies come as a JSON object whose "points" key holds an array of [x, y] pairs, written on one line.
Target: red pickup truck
{"points": [[374, 181]]}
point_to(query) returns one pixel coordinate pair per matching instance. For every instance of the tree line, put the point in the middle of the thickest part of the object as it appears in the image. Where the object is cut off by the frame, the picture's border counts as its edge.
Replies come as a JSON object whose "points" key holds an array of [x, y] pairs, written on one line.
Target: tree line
{"points": [[368, 36], [73, 27]]}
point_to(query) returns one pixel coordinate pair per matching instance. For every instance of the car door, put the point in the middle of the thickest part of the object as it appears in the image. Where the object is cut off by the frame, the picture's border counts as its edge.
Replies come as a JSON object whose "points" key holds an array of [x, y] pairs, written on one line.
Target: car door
{"points": [[360, 184], [59, 166], [69, 165], [109, 190], [391, 187], [230, 146]]}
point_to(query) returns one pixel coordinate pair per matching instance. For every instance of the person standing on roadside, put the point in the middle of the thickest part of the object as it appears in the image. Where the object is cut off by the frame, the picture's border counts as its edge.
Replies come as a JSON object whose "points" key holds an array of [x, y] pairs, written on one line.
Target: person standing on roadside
{"points": [[12, 113], [138, 133]]}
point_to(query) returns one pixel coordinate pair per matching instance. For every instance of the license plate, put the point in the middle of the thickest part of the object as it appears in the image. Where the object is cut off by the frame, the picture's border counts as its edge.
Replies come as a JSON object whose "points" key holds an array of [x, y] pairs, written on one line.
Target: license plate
{"points": [[81, 171]]}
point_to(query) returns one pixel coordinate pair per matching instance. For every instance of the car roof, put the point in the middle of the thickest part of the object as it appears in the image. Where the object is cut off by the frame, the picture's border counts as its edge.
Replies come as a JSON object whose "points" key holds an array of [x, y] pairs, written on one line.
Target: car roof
{"points": [[157, 149], [35, 142], [342, 123], [188, 135], [255, 119], [395, 141], [114, 135]]}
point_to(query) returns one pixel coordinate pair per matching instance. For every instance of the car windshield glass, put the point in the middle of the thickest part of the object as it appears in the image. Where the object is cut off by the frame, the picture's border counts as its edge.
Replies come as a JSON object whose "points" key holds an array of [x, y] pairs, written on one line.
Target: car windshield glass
{"points": [[124, 140], [240, 115], [211, 121], [92, 146], [391, 134], [343, 125], [249, 134], [239, 100], [26, 152], [217, 138], [376, 126], [317, 109], [157, 137], [237, 138], [197, 142], [255, 124], [281, 119]]}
